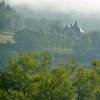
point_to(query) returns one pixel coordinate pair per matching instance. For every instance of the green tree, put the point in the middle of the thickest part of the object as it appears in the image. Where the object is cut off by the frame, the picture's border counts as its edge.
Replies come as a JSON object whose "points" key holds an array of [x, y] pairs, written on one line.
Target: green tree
{"points": [[30, 76]]}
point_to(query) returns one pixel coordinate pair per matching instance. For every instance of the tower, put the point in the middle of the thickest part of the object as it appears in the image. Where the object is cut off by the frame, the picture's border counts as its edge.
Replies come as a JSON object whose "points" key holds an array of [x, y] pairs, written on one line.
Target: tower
{"points": [[75, 24]]}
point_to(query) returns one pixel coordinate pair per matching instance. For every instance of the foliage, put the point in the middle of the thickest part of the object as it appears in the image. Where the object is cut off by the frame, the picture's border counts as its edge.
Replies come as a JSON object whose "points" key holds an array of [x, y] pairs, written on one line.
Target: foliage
{"points": [[30, 76], [9, 19]]}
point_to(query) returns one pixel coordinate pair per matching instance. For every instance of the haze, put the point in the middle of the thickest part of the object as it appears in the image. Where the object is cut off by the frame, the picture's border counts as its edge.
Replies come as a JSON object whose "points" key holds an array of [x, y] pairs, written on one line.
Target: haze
{"points": [[81, 6]]}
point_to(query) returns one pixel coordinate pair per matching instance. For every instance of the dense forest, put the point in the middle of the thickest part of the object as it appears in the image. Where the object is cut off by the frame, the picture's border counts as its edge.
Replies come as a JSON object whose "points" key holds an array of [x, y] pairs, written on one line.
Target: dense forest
{"points": [[32, 31], [63, 60], [9, 19]]}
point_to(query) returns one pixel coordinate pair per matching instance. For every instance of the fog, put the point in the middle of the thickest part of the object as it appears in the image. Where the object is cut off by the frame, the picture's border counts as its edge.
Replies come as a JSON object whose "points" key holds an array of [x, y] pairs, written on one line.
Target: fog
{"points": [[85, 12], [80, 6]]}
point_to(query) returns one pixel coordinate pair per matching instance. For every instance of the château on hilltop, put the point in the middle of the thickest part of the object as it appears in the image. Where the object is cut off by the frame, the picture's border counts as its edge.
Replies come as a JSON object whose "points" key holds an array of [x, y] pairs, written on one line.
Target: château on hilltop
{"points": [[74, 28]]}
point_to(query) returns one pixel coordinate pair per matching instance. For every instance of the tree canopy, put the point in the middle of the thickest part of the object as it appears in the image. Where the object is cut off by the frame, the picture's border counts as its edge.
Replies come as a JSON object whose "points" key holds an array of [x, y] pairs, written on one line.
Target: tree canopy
{"points": [[9, 19], [31, 76]]}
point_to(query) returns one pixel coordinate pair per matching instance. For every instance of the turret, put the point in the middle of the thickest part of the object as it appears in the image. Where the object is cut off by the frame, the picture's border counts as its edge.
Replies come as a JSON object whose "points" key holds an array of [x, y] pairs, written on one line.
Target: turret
{"points": [[75, 24]]}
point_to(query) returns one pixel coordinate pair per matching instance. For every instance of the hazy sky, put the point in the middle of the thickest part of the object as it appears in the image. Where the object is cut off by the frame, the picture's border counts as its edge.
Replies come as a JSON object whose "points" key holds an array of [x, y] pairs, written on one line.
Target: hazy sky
{"points": [[83, 6]]}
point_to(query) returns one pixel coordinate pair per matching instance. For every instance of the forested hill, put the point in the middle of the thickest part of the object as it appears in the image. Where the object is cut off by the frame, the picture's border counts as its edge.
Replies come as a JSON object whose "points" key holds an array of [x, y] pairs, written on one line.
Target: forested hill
{"points": [[9, 19], [64, 41]]}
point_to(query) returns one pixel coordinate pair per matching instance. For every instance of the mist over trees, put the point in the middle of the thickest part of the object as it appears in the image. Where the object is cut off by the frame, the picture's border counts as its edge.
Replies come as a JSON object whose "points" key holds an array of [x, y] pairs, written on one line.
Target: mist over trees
{"points": [[9, 19], [38, 31], [64, 70]]}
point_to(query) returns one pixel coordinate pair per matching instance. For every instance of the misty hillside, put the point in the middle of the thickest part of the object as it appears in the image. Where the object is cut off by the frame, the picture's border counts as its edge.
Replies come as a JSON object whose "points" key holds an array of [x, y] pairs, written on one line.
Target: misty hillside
{"points": [[89, 22], [66, 36]]}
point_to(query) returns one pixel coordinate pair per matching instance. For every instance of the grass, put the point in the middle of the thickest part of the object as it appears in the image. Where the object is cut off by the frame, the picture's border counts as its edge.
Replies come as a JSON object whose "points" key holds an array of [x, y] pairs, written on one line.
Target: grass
{"points": [[6, 37]]}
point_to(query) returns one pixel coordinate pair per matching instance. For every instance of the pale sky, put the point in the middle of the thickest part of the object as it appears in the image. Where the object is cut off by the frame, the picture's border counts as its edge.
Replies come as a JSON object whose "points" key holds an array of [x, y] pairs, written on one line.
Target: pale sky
{"points": [[83, 6]]}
